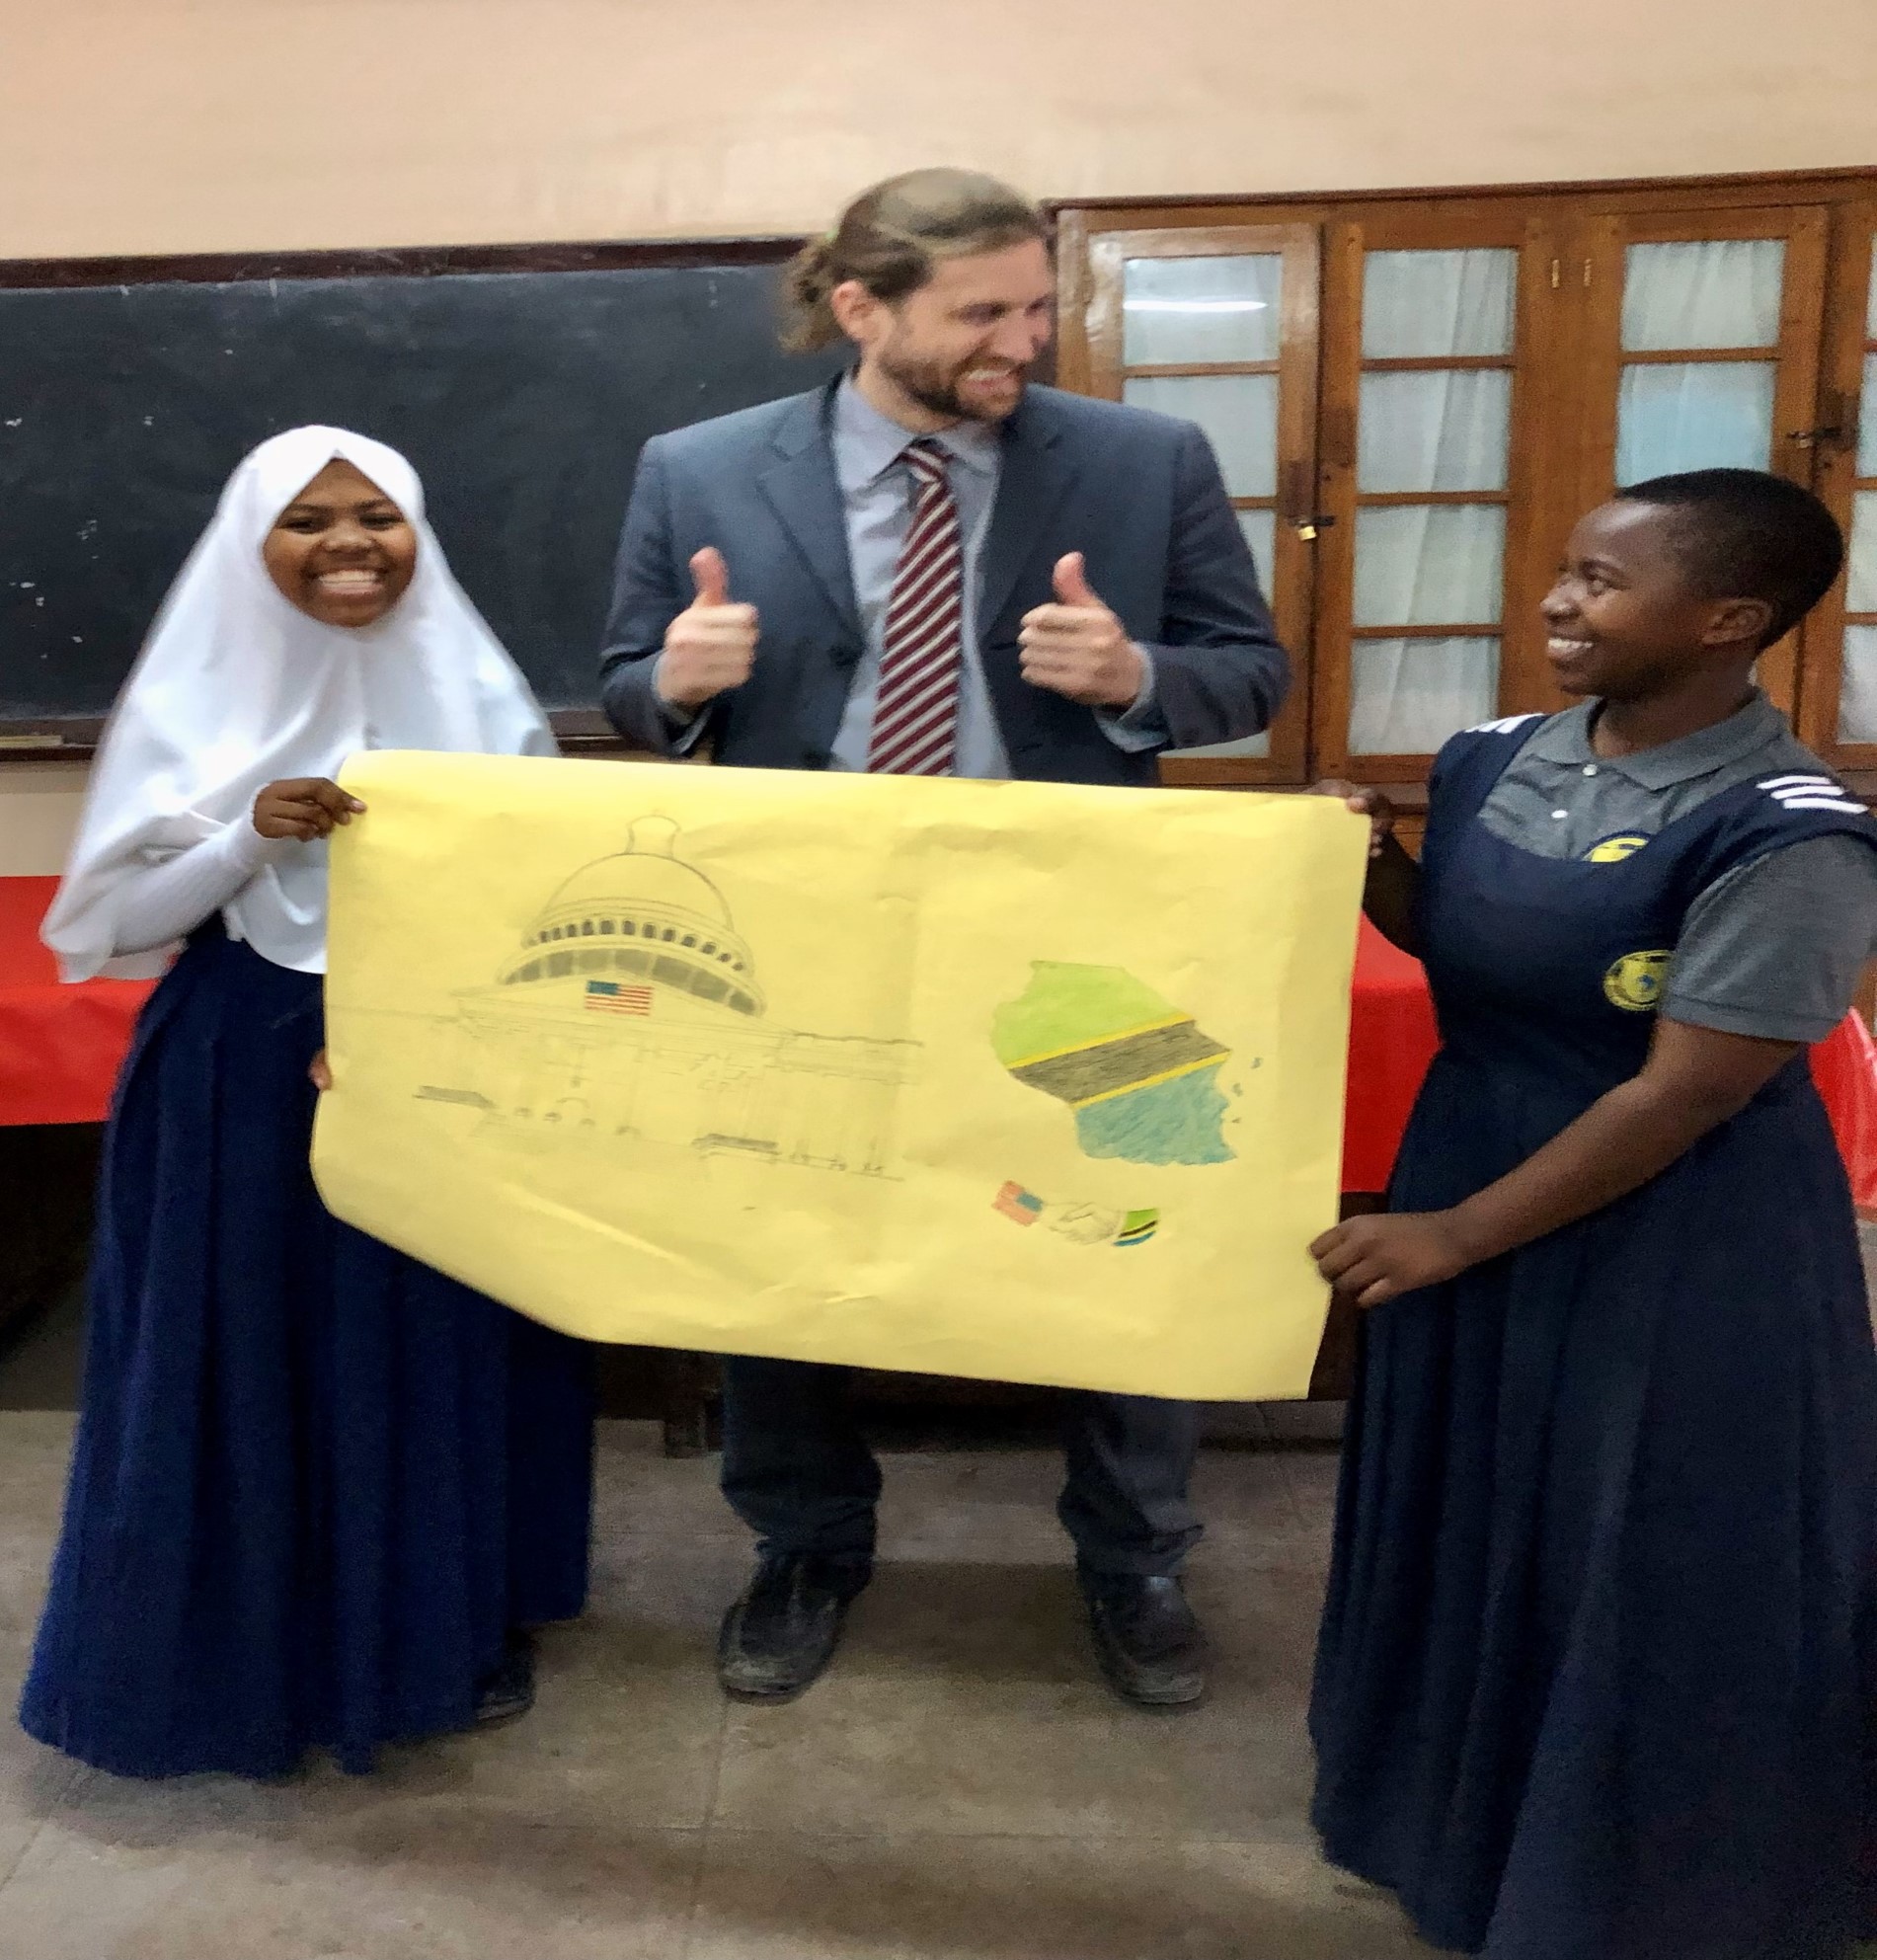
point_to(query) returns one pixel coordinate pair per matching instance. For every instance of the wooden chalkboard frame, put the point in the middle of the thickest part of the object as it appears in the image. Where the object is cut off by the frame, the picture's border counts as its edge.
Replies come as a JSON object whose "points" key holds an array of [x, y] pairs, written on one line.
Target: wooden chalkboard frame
{"points": [[60, 738]]}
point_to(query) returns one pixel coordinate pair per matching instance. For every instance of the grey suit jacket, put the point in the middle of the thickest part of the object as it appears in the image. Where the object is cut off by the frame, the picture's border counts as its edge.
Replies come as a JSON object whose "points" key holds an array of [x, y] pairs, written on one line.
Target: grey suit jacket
{"points": [[1138, 494]]}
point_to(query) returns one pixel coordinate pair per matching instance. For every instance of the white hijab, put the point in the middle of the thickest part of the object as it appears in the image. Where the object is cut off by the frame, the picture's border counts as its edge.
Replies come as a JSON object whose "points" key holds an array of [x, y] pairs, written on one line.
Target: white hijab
{"points": [[236, 689]]}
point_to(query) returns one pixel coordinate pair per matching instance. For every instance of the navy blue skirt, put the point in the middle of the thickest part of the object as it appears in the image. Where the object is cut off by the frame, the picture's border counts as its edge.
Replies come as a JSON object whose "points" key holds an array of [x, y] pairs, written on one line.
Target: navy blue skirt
{"points": [[315, 1483], [1599, 1658]]}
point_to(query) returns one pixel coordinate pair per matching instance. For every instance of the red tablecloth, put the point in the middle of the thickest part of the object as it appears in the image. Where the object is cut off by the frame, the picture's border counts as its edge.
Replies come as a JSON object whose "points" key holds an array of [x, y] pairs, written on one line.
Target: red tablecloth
{"points": [[1392, 1038], [61, 1048]]}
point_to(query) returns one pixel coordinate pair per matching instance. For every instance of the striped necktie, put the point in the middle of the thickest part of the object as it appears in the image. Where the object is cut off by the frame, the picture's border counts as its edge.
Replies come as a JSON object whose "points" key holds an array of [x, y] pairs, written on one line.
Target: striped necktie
{"points": [[916, 710]]}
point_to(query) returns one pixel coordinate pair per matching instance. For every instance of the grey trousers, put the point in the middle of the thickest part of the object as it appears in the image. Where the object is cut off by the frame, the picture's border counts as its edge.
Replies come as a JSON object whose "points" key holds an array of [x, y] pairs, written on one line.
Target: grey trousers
{"points": [[799, 1473]]}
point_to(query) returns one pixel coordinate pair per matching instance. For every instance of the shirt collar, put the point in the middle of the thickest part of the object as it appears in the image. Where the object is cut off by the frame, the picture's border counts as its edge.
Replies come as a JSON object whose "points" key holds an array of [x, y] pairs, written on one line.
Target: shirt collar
{"points": [[1567, 740], [868, 443]]}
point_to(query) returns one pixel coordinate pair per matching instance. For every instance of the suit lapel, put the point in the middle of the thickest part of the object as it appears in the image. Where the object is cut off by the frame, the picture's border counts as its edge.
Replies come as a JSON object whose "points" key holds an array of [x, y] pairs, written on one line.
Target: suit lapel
{"points": [[1035, 477], [802, 487]]}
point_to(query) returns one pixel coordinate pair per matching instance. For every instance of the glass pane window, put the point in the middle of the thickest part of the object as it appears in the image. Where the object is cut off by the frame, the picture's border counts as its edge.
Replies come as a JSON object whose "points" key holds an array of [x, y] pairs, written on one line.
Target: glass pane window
{"points": [[1239, 413], [1860, 585], [1857, 675], [1260, 528], [1430, 564], [1444, 428], [1422, 304], [1261, 533], [1428, 428], [1180, 310], [1692, 416], [1407, 696], [1258, 746], [1717, 292], [1857, 686]]}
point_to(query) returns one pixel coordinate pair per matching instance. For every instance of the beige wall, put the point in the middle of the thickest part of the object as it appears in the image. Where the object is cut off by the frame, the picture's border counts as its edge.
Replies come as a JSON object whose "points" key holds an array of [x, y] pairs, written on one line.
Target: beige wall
{"points": [[176, 125], [140, 126], [39, 810]]}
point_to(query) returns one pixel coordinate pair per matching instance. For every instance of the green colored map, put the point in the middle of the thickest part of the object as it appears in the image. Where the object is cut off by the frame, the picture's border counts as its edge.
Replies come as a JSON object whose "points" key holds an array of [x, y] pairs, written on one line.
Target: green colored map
{"points": [[1140, 1075]]}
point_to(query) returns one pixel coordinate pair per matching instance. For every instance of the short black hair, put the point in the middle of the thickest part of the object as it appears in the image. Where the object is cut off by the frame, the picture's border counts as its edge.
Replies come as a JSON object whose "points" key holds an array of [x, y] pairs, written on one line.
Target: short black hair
{"points": [[1748, 534]]}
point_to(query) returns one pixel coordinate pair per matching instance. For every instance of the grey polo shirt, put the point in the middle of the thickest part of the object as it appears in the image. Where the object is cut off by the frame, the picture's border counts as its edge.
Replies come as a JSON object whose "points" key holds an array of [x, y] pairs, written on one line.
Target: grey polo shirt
{"points": [[1772, 949]]}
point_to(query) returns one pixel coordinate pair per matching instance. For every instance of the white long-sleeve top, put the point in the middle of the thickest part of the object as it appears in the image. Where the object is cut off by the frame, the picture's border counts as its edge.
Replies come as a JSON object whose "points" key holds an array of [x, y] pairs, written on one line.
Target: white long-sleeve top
{"points": [[168, 899]]}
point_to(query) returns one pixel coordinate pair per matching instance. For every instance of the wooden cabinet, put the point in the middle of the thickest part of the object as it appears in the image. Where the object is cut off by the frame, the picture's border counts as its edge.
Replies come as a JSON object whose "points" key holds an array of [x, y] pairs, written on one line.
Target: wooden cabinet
{"points": [[1413, 397]]}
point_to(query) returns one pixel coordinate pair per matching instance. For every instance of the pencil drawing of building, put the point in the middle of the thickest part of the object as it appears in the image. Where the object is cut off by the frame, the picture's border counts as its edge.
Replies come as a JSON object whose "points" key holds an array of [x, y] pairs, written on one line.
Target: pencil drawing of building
{"points": [[633, 1010]]}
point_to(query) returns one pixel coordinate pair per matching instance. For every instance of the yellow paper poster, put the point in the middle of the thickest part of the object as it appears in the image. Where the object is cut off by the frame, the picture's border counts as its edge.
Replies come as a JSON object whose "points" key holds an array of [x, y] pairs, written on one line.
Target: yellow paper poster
{"points": [[1026, 1081]]}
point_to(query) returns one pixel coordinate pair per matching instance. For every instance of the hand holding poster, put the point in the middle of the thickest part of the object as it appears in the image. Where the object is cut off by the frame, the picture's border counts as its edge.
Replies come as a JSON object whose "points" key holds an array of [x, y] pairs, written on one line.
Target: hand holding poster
{"points": [[1027, 1081]]}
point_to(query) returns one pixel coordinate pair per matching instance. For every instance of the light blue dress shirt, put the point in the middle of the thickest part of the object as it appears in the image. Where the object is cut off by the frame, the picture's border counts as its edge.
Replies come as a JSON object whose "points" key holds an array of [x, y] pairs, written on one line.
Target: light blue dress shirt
{"points": [[877, 492]]}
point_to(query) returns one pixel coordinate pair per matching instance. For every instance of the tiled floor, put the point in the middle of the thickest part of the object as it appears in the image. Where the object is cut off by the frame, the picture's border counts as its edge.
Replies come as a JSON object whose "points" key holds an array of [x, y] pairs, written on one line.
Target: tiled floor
{"points": [[959, 1787]]}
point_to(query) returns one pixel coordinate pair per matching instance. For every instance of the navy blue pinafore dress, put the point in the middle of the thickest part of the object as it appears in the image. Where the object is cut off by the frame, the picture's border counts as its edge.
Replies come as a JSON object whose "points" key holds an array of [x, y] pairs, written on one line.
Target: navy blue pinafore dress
{"points": [[1600, 1653], [315, 1483]]}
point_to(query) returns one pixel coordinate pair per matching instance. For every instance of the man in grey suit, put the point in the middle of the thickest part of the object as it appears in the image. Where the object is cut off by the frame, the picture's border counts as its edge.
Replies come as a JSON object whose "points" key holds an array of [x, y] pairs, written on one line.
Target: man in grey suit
{"points": [[929, 567]]}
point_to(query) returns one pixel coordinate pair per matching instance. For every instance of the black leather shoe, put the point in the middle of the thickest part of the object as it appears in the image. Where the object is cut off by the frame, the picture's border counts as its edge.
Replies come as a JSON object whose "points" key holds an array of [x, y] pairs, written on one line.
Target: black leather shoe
{"points": [[1147, 1639], [509, 1691], [780, 1635]]}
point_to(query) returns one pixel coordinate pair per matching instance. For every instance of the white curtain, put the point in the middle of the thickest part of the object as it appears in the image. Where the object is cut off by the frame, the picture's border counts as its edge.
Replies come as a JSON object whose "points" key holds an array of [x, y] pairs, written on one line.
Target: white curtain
{"points": [[1857, 683], [1857, 686], [1261, 529], [1237, 412], [1695, 293], [1407, 696], [1693, 416], [1430, 564], [1860, 585], [1440, 429], [1426, 304], [1704, 292]]}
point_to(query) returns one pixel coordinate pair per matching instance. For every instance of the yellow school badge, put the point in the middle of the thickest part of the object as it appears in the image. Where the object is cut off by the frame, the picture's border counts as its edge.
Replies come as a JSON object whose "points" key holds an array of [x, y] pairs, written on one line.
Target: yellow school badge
{"points": [[1612, 850], [1634, 982]]}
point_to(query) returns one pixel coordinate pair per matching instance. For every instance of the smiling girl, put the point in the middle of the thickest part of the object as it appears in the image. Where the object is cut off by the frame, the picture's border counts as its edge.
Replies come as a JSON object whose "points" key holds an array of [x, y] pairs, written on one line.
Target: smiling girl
{"points": [[1600, 1656], [318, 1490]]}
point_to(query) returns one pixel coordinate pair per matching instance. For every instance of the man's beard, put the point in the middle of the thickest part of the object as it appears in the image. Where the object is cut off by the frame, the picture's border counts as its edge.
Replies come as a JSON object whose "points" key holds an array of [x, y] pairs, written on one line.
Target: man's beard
{"points": [[935, 390]]}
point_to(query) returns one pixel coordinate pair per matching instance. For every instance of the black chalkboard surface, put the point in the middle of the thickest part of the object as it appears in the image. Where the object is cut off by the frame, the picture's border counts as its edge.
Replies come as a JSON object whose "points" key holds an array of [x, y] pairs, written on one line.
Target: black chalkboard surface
{"points": [[521, 392]]}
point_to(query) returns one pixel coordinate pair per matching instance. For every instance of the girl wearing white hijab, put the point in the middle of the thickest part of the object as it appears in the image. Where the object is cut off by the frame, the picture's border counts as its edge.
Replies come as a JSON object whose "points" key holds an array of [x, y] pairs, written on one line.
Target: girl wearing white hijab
{"points": [[318, 1490]]}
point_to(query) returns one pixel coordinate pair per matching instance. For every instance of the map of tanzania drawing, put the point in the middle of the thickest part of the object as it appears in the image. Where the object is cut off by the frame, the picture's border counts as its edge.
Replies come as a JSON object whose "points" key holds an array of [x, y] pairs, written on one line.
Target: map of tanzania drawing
{"points": [[1138, 1073]]}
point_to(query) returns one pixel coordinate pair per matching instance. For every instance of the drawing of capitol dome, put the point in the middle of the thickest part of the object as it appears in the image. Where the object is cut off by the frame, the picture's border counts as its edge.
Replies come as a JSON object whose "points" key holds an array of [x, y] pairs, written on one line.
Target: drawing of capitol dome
{"points": [[643, 915], [630, 1020]]}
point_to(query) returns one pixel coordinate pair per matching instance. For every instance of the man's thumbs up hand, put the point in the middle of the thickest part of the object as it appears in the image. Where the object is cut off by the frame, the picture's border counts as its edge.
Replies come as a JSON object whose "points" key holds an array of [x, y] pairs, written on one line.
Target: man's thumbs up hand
{"points": [[1070, 579], [710, 576], [711, 646], [1077, 648]]}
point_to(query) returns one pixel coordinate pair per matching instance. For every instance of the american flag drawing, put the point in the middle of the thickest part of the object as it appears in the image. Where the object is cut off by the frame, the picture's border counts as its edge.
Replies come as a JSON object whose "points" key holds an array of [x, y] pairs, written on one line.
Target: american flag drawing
{"points": [[1020, 1206], [618, 998]]}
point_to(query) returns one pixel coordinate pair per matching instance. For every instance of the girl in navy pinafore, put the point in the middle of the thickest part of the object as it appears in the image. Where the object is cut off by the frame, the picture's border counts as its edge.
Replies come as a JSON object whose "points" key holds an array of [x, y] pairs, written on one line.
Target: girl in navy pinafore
{"points": [[317, 1489], [1597, 1668]]}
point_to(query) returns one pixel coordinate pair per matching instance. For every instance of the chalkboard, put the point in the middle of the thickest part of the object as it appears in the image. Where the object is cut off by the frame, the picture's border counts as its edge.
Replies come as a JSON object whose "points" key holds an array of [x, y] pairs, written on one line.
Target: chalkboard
{"points": [[522, 395]]}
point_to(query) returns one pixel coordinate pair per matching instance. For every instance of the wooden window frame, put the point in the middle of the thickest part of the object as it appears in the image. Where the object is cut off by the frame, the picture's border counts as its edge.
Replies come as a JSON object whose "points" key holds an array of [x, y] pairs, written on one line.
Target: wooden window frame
{"points": [[1431, 229], [1602, 239], [1833, 446], [1565, 212], [1095, 363]]}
